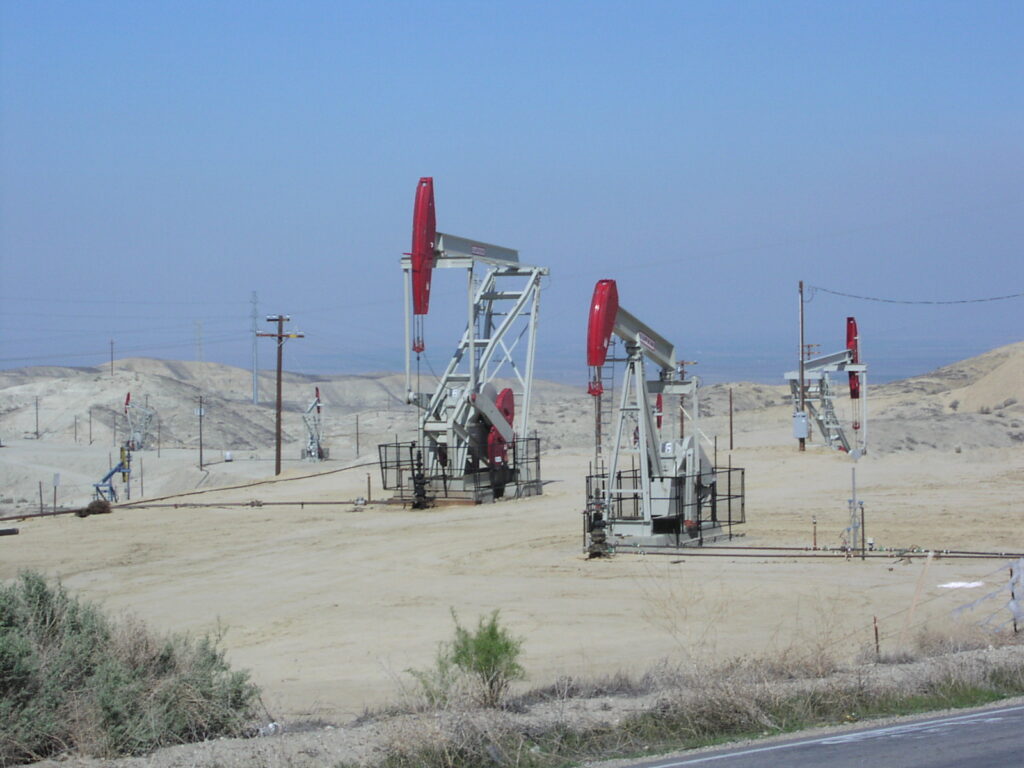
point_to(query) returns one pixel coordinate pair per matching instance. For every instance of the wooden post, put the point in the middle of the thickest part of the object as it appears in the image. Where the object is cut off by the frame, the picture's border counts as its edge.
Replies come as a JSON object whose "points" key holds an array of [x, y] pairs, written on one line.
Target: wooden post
{"points": [[915, 601], [800, 390], [730, 419], [367, 487], [40, 497], [201, 432], [863, 538], [1013, 597], [878, 646]]}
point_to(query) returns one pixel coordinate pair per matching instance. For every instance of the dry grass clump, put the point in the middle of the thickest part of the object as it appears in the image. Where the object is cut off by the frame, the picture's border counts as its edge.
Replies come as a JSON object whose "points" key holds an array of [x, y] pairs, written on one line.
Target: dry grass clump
{"points": [[688, 707], [930, 642], [72, 679]]}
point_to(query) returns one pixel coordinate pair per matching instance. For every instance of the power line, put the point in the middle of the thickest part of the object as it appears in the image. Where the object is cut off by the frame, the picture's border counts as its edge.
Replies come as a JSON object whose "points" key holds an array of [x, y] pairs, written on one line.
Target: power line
{"points": [[125, 350], [115, 302], [907, 301]]}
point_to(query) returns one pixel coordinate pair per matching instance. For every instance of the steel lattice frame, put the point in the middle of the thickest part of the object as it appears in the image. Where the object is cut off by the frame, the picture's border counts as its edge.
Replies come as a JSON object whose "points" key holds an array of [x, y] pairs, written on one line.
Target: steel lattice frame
{"points": [[498, 341]]}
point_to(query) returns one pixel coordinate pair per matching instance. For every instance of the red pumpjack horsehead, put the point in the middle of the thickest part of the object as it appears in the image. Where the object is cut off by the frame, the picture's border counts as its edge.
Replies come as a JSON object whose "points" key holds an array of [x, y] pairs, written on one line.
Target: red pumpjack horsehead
{"points": [[424, 238], [853, 344], [604, 306]]}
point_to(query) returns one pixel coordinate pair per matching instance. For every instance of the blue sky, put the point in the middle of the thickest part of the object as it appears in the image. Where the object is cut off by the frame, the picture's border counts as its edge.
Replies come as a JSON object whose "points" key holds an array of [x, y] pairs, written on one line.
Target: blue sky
{"points": [[159, 162]]}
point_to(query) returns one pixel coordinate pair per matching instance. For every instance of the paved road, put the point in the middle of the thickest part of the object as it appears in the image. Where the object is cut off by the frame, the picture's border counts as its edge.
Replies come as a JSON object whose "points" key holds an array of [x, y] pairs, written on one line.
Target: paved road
{"points": [[982, 738]]}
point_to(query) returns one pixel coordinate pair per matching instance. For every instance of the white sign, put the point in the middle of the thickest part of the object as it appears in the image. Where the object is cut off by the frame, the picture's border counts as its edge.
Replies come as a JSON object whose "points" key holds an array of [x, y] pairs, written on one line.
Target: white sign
{"points": [[56, 479]]}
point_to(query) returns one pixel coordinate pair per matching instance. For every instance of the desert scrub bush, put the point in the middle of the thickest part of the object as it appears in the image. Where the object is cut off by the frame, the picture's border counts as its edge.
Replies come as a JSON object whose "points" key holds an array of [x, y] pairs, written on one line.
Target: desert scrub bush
{"points": [[485, 660], [72, 679]]}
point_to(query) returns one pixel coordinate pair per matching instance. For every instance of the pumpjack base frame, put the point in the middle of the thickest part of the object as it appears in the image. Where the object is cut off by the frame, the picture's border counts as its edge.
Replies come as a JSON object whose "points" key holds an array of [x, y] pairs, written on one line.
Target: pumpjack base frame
{"points": [[669, 542], [624, 526], [403, 471]]}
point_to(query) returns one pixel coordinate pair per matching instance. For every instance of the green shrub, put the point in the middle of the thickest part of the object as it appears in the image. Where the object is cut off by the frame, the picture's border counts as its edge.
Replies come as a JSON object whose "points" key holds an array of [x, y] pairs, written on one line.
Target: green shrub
{"points": [[71, 679], [490, 654], [488, 658]]}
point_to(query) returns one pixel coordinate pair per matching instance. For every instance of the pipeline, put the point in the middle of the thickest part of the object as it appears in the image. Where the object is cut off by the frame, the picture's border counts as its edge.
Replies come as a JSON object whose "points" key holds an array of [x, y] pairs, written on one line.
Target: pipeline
{"points": [[151, 502], [852, 554], [887, 551], [51, 513], [260, 503]]}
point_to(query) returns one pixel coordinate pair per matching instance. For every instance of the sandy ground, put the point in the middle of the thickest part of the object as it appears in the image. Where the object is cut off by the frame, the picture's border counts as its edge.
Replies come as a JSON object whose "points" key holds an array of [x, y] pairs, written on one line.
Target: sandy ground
{"points": [[328, 604]]}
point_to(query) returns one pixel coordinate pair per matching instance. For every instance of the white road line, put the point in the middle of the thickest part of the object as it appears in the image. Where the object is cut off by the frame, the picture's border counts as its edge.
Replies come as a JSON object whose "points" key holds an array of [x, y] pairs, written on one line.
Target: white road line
{"points": [[890, 730]]}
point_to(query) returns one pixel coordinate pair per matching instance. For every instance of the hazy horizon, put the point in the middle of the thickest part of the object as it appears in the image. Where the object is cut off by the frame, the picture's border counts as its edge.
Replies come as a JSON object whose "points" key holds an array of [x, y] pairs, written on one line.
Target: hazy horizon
{"points": [[161, 162]]}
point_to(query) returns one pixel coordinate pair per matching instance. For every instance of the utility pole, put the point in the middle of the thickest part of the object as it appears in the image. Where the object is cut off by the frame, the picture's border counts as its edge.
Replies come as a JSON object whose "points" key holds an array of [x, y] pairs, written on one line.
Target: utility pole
{"points": [[111, 358], [37, 418], [803, 383], [280, 335], [255, 375], [730, 419], [199, 413]]}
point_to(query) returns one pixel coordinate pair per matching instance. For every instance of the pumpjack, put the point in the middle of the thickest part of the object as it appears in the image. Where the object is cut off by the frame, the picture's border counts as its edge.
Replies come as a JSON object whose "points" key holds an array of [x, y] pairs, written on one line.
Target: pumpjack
{"points": [[655, 489], [139, 418], [473, 439], [104, 490], [818, 396], [314, 449]]}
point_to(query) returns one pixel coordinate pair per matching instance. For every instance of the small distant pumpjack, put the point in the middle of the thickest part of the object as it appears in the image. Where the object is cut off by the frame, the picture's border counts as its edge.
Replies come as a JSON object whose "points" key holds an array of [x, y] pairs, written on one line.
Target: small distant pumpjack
{"points": [[819, 396], [314, 449], [139, 418], [656, 490], [104, 490]]}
